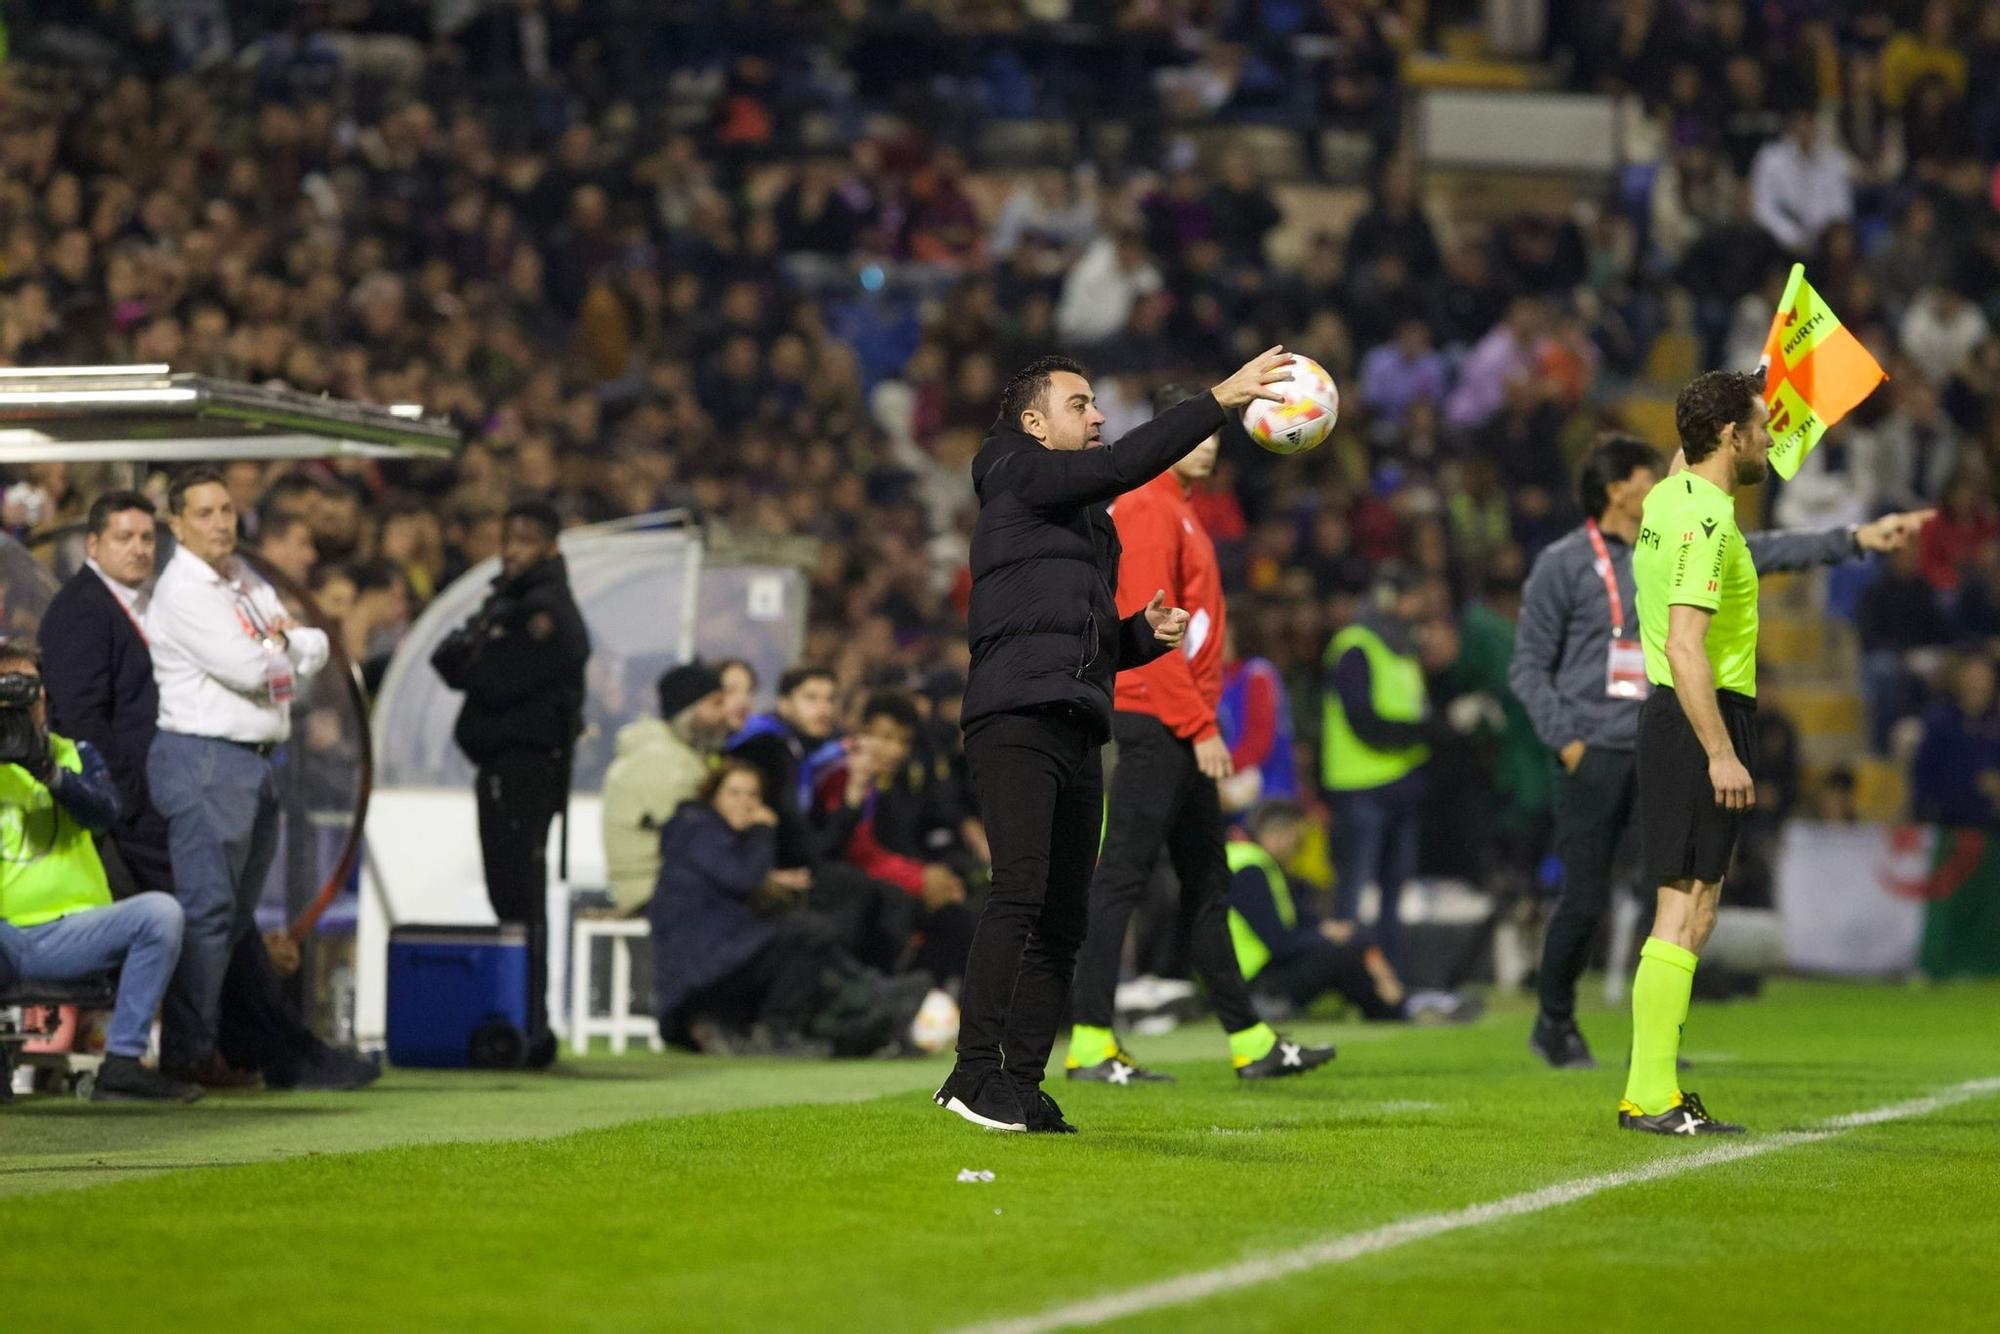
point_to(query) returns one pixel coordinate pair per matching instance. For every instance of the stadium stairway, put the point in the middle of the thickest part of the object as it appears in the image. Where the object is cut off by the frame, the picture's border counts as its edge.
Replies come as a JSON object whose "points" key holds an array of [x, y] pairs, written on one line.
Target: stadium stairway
{"points": [[1810, 668], [1466, 60]]}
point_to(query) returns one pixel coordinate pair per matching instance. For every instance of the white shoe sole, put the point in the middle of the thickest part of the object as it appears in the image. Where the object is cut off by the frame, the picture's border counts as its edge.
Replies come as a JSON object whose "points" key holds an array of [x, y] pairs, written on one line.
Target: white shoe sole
{"points": [[958, 1108]]}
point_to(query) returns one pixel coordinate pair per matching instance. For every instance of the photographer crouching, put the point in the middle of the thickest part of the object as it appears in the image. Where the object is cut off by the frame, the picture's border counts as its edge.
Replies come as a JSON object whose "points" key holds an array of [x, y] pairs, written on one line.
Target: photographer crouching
{"points": [[520, 662], [57, 920]]}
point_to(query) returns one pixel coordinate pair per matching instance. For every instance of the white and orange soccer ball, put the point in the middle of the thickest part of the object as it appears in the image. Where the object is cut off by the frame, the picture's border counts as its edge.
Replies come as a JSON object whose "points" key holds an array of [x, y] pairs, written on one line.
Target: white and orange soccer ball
{"points": [[1304, 418]]}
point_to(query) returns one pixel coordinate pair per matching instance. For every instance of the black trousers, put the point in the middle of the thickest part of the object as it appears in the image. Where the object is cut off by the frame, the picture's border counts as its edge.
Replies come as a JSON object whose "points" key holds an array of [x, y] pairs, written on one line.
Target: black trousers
{"points": [[1040, 782], [1594, 810], [1302, 978], [519, 793], [873, 921], [1160, 800], [778, 987]]}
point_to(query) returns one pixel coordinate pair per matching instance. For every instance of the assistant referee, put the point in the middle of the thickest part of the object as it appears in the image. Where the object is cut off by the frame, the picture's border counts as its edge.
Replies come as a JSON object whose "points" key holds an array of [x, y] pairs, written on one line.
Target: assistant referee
{"points": [[1697, 589], [1580, 672]]}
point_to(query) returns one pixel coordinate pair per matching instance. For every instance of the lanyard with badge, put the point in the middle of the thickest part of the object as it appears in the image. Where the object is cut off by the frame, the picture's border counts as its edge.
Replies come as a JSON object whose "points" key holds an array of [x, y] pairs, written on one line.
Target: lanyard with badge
{"points": [[1625, 664], [277, 667]]}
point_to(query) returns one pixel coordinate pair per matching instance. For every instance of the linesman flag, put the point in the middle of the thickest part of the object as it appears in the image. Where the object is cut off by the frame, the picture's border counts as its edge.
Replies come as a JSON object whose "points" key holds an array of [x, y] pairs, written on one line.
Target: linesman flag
{"points": [[1815, 373]]}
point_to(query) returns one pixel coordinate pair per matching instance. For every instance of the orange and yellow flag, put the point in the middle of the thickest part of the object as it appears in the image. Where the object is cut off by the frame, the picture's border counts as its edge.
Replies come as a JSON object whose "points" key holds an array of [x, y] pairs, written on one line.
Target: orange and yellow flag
{"points": [[1815, 372]]}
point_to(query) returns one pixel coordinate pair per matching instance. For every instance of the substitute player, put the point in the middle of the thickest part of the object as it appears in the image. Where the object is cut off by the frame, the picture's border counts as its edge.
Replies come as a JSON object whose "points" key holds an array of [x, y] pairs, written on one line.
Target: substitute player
{"points": [[1697, 593], [1171, 756]]}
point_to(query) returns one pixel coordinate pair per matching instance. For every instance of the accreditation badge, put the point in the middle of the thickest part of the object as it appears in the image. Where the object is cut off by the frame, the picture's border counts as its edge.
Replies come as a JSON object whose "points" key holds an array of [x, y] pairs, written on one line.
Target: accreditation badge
{"points": [[1625, 670], [278, 676]]}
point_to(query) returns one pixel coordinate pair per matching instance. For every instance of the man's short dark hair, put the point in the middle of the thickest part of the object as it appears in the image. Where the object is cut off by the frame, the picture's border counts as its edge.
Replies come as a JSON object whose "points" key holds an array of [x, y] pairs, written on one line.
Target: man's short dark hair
{"points": [[795, 677], [1711, 401], [290, 494], [1173, 395], [1030, 386], [114, 502], [277, 525], [724, 664], [188, 478], [896, 706], [538, 512], [14, 652], [372, 576], [1611, 460]]}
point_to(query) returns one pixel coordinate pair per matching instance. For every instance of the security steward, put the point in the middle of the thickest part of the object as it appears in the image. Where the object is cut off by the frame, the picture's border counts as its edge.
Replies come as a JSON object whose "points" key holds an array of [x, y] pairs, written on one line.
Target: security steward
{"points": [[1046, 642], [1375, 726], [1579, 670], [520, 662]]}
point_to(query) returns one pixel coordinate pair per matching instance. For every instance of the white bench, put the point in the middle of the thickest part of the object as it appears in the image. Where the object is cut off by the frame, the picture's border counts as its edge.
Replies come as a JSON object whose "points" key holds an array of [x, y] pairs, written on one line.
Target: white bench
{"points": [[620, 1024]]}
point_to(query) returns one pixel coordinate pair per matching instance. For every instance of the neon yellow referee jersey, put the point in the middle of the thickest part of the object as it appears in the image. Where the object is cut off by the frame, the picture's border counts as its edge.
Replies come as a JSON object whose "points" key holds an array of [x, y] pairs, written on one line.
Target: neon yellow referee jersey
{"points": [[1691, 553]]}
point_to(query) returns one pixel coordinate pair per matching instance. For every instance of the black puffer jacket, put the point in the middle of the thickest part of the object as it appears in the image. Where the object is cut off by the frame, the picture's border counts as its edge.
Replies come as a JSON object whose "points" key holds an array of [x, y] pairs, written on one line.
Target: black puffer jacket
{"points": [[1044, 620], [519, 661]]}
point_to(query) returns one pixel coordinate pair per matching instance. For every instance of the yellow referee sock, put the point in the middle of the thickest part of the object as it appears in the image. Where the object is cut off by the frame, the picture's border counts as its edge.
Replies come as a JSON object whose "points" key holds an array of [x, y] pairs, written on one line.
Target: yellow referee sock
{"points": [[1660, 993]]}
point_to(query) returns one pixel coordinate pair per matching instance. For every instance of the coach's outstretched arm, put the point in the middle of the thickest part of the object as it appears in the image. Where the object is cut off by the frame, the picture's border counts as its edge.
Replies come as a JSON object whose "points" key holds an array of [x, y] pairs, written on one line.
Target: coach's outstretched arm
{"points": [[1050, 479]]}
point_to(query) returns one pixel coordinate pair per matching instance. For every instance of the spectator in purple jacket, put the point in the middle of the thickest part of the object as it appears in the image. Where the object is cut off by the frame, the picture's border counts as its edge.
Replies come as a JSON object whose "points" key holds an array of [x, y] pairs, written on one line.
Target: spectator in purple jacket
{"points": [[1398, 374]]}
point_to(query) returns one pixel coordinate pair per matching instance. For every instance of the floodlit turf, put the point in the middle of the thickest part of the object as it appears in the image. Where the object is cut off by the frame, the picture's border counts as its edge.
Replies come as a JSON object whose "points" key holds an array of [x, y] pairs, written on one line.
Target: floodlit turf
{"points": [[349, 1213]]}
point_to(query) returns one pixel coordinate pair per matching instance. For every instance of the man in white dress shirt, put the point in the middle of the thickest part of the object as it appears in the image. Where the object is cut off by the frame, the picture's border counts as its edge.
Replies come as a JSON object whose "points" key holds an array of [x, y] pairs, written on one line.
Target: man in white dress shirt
{"points": [[228, 661]]}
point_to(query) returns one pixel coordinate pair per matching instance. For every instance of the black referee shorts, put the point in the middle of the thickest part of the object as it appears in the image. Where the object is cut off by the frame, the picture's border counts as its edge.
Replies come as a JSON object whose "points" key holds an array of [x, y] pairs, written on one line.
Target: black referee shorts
{"points": [[1683, 833]]}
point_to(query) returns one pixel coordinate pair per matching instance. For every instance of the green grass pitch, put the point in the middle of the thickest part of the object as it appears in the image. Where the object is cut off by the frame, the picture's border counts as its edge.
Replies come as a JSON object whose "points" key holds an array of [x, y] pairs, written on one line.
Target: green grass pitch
{"points": [[669, 1193]]}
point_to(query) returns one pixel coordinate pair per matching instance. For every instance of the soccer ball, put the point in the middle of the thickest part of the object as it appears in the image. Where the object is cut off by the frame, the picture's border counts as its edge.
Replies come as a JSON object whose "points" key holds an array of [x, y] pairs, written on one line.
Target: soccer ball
{"points": [[936, 1025], [1306, 416]]}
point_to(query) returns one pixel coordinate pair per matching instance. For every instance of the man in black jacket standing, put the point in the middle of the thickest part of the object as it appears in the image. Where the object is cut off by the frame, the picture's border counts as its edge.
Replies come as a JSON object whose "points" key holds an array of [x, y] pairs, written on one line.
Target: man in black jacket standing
{"points": [[520, 661], [1046, 641]]}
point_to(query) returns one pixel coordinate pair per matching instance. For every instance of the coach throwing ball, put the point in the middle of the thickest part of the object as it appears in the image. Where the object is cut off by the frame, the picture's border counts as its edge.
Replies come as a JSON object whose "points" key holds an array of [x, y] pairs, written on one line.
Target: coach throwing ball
{"points": [[1046, 641]]}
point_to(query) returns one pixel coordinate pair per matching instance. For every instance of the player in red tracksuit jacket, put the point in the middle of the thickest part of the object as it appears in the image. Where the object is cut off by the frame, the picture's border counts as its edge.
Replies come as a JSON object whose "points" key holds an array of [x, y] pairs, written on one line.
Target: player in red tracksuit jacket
{"points": [[1163, 792]]}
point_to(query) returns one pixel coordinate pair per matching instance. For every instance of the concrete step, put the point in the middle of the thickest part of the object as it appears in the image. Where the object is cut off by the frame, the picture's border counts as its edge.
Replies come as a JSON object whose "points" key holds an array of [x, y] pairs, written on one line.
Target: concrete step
{"points": [[1795, 644], [1428, 71], [1820, 711]]}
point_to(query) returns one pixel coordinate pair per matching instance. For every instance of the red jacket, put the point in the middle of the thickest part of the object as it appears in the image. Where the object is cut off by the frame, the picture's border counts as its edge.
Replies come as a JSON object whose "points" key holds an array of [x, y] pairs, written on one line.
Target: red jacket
{"points": [[861, 848], [1165, 548]]}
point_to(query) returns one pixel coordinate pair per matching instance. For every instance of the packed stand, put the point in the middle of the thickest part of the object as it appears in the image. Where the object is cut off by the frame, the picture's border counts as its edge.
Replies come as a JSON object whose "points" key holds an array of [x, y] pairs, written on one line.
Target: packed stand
{"points": [[740, 294]]}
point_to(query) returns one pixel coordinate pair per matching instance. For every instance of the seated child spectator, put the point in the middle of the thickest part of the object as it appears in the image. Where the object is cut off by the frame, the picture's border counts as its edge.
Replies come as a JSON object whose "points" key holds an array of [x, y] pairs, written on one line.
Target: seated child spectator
{"points": [[867, 810]]}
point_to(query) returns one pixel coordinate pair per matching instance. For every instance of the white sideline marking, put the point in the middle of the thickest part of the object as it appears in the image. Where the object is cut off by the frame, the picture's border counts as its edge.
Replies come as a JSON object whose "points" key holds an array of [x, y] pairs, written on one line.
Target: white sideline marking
{"points": [[1205, 1283]]}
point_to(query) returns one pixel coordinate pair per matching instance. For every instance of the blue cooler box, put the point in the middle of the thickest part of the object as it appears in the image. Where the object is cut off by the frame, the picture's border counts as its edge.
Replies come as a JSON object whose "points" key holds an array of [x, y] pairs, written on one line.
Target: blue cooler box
{"points": [[458, 996]]}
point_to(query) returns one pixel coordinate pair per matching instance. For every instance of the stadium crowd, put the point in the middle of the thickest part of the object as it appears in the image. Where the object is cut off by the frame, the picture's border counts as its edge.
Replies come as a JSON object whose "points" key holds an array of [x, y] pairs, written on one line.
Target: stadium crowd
{"points": [[752, 267]]}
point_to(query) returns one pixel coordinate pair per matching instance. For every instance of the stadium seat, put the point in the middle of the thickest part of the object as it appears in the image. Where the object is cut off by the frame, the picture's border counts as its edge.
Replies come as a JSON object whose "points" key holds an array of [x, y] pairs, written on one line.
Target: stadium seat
{"points": [[619, 1024]]}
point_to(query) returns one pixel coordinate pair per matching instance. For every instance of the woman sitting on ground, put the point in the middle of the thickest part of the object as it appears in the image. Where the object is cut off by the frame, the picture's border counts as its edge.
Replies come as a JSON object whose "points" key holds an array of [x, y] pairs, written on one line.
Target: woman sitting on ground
{"points": [[726, 954]]}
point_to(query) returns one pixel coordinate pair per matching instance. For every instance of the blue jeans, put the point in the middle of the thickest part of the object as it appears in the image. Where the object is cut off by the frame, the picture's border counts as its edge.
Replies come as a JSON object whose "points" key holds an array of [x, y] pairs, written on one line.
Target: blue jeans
{"points": [[141, 936], [221, 805], [1375, 839]]}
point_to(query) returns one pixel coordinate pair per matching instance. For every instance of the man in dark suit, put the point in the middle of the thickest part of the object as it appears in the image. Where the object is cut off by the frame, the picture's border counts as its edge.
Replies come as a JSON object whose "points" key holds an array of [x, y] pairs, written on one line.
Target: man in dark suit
{"points": [[101, 690], [101, 680]]}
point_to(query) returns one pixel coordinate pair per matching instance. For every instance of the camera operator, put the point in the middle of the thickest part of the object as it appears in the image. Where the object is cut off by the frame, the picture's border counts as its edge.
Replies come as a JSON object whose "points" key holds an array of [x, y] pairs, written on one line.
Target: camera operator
{"points": [[57, 920], [520, 662]]}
